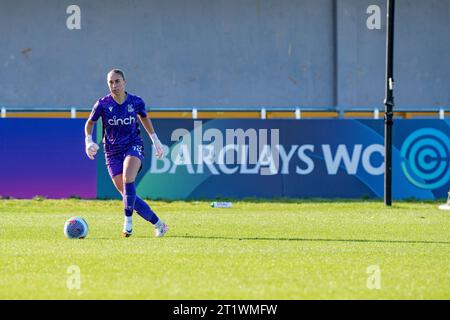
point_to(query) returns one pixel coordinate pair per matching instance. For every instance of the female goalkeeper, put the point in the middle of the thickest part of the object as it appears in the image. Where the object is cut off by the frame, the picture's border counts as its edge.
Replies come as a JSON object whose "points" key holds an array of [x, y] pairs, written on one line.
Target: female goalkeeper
{"points": [[123, 146]]}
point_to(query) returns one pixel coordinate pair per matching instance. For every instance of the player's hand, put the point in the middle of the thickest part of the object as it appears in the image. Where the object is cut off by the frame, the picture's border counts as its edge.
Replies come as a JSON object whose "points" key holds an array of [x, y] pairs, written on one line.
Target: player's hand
{"points": [[91, 147], [159, 151]]}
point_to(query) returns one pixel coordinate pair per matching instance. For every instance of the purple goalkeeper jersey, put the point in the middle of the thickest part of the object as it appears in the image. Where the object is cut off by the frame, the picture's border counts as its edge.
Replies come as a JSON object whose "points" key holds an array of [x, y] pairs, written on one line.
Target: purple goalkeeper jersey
{"points": [[120, 123]]}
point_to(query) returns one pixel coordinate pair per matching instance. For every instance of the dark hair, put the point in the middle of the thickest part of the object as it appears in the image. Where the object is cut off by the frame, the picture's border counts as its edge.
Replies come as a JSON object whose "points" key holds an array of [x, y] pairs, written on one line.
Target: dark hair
{"points": [[118, 71]]}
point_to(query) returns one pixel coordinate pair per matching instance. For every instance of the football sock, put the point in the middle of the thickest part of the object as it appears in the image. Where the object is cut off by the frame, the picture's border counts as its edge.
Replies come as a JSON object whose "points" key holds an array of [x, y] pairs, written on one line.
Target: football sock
{"points": [[128, 220], [158, 223], [129, 198], [144, 210]]}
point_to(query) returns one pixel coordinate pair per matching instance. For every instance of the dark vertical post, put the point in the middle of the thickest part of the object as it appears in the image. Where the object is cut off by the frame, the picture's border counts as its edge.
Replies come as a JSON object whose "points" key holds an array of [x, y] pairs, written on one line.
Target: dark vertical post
{"points": [[389, 103]]}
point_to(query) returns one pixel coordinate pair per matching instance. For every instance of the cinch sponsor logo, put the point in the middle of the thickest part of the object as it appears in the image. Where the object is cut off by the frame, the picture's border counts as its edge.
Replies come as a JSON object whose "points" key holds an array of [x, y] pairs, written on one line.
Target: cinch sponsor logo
{"points": [[120, 122], [425, 158], [254, 151]]}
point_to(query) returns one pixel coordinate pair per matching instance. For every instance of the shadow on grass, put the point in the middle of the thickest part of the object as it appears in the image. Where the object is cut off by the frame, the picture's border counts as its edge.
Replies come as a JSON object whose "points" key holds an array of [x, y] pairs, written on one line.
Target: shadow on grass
{"points": [[308, 239]]}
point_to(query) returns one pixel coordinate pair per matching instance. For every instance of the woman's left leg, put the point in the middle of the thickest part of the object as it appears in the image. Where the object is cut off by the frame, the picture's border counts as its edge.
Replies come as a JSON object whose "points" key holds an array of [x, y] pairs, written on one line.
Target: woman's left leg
{"points": [[131, 168]]}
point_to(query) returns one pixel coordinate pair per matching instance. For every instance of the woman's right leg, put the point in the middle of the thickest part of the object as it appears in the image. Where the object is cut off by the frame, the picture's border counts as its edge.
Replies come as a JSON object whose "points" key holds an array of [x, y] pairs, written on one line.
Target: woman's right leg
{"points": [[118, 183], [127, 223], [141, 207]]}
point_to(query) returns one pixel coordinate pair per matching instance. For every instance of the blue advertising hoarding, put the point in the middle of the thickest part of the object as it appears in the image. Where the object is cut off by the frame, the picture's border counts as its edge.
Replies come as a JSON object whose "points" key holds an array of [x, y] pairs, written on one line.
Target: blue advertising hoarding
{"points": [[239, 158], [244, 158], [45, 157]]}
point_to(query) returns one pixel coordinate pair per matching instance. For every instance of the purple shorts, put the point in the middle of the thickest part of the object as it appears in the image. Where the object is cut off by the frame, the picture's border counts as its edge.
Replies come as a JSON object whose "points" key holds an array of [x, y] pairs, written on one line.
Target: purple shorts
{"points": [[115, 162]]}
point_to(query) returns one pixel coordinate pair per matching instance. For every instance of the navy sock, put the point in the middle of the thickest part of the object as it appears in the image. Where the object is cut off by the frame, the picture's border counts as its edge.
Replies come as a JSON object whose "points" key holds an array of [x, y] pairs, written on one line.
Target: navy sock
{"points": [[144, 210], [129, 198]]}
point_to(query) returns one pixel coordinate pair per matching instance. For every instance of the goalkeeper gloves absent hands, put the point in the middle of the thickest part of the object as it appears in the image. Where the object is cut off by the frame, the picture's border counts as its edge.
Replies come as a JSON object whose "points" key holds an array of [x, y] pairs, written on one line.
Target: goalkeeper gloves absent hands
{"points": [[91, 147], [158, 146]]}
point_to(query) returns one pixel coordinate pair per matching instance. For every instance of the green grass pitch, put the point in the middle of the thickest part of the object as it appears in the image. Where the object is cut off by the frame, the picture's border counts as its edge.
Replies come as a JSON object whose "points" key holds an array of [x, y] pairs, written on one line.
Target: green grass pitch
{"points": [[255, 250]]}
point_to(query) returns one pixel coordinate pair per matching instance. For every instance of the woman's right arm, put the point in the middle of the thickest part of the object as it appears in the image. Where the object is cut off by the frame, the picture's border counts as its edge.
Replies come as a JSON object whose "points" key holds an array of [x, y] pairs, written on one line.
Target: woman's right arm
{"points": [[91, 146], [93, 117], [89, 127]]}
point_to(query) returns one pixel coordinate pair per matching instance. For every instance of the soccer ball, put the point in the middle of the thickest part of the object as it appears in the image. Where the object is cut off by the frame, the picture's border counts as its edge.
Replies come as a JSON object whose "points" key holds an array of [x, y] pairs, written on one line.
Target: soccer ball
{"points": [[76, 228]]}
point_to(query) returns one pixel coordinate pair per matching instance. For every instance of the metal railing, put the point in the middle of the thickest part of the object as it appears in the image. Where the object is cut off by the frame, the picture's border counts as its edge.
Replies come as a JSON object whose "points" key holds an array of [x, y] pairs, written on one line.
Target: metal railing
{"points": [[296, 112]]}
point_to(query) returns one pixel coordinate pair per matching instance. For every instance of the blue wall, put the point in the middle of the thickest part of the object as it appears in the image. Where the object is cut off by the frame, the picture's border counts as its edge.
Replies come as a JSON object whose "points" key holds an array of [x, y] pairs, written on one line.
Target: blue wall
{"points": [[45, 157], [224, 53]]}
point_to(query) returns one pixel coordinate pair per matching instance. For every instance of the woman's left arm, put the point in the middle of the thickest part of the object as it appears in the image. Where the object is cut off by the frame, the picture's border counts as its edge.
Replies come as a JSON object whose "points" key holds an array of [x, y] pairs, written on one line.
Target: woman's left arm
{"points": [[148, 126]]}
